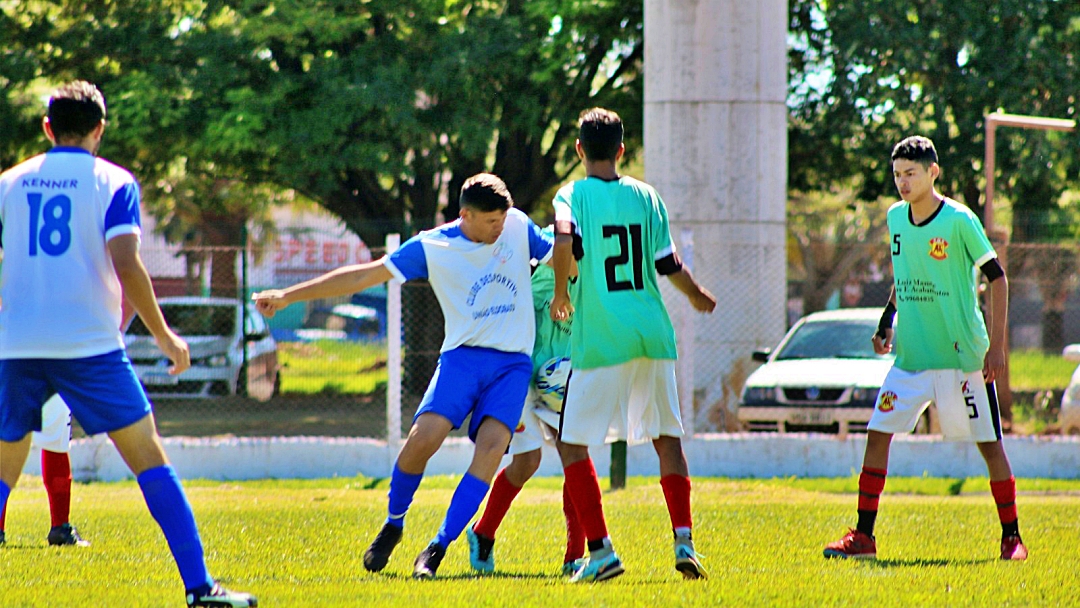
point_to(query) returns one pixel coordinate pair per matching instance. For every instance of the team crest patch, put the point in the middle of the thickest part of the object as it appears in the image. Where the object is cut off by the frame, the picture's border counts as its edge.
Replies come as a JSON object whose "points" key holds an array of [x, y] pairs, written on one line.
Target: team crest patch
{"points": [[502, 252], [520, 428], [887, 401], [938, 247]]}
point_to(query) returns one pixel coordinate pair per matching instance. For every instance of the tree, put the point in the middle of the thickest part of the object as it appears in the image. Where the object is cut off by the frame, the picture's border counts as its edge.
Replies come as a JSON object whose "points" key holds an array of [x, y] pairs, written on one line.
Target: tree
{"points": [[377, 110], [866, 74], [835, 238]]}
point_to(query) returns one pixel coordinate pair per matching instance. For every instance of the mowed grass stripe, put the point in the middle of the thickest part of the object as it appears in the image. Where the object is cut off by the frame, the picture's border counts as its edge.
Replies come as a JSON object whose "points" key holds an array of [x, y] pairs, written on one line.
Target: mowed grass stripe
{"points": [[299, 543]]}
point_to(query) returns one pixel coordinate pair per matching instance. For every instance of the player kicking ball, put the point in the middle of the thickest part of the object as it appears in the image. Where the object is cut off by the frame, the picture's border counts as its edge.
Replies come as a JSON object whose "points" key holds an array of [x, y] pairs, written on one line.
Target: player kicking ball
{"points": [[539, 424], [478, 266], [54, 441], [943, 351]]}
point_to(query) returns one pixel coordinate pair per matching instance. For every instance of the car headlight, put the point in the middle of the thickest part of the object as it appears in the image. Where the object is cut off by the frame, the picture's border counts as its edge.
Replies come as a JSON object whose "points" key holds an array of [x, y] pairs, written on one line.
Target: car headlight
{"points": [[759, 395], [212, 361], [864, 394]]}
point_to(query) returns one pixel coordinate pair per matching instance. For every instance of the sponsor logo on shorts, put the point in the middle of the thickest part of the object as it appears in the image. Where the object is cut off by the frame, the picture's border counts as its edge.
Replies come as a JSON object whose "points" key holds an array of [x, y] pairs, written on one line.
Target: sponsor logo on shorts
{"points": [[520, 428], [938, 247], [887, 401], [965, 387]]}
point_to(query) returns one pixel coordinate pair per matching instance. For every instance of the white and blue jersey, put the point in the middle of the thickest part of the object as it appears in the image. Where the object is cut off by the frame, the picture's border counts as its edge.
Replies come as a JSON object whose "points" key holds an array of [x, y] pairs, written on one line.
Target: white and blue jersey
{"points": [[484, 290], [59, 291]]}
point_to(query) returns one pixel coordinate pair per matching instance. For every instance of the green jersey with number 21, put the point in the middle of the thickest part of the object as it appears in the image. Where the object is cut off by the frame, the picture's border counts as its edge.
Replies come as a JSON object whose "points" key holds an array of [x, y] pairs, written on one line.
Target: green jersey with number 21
{"points": [[619, 314]]}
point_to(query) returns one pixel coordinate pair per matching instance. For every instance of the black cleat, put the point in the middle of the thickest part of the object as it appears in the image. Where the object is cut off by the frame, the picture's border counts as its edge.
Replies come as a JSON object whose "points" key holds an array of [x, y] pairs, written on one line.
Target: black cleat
{"points": [[428, 561], [220, 597], [65, 535], [2, 538], [378, 553]]}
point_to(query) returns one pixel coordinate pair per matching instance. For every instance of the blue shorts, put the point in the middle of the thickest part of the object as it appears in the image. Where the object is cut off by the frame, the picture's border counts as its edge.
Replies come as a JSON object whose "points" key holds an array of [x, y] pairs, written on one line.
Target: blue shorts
{"points": [[102, 392], [481, 381]]}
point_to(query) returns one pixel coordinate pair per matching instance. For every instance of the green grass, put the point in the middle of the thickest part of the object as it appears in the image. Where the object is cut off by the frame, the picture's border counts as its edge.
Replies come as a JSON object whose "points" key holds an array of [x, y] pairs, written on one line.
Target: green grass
{"points": [[299, 543], [331, 367], [1034, 370]]}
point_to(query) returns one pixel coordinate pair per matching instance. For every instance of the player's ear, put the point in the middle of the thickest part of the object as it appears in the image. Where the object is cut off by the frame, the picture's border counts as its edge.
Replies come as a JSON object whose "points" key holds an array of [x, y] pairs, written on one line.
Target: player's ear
{"points": [[580, 150], [619, 154], [47, 128], [935, 170]]}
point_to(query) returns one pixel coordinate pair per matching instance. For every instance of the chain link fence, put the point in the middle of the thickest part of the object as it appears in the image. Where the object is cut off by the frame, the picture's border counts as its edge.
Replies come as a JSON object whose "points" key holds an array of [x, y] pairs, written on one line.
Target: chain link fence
{"points": [[322, 368]]}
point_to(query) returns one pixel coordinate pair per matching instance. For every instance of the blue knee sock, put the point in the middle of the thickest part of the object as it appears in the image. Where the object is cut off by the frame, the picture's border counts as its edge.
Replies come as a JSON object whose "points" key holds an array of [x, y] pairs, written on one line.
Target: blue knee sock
{"points": [[5, 492], [402, 488], [466, 501], [169, 506]]}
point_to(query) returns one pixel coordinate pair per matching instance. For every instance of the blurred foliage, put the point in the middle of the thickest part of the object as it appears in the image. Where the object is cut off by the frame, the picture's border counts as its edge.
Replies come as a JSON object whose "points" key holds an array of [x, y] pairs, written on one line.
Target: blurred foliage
{"points": [[377, 110], [865, 74]]}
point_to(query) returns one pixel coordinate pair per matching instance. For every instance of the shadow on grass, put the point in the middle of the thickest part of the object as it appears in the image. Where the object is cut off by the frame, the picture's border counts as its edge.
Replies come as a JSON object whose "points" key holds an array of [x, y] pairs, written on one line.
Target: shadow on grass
{"points": [[926, 563]]}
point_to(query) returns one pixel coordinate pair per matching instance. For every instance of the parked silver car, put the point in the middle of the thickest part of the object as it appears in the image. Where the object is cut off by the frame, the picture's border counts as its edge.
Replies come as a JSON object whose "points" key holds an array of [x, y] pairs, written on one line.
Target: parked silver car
{"points": [[823, 377], [212, 328]]}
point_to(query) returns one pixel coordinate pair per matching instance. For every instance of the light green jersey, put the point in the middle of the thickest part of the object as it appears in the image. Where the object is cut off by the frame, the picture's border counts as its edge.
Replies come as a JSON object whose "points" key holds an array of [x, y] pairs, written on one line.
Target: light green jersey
{"points": [[619, 313], [552, 337], [938, 321]]}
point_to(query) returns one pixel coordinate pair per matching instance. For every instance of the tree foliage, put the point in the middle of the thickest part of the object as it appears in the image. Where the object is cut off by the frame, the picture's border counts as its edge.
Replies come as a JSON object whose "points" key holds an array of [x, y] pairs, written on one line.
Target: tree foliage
{"points": [[866, 73], [376, 109]]}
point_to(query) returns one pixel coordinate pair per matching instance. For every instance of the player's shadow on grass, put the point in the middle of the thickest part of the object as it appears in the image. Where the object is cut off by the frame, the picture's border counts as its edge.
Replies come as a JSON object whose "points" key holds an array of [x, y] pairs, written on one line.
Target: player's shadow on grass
{"points": [[926, 563]]}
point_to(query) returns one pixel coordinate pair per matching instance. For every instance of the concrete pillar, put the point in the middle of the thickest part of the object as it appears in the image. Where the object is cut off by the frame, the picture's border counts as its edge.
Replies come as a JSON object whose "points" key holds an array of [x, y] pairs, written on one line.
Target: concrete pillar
{"points": [[716, 150]]}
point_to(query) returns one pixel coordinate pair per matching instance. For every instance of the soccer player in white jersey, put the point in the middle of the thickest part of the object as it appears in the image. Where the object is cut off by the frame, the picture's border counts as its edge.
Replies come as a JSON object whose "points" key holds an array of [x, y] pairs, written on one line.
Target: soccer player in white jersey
{"points": [[478, 265], [69, 227], [539, 424], [622, 383], [54, 441], [943, 351]]}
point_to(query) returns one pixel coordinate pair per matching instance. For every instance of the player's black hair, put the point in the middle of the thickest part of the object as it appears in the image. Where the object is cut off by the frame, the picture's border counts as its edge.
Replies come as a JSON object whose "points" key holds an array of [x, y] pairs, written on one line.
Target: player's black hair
{"points": [[75, 109], [917, 149], [485, 192], [600, 132]]}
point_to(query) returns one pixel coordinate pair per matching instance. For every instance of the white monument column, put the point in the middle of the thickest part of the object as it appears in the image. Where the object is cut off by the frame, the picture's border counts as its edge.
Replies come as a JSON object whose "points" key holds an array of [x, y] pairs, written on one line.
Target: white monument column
{"points": [[716, 150]]}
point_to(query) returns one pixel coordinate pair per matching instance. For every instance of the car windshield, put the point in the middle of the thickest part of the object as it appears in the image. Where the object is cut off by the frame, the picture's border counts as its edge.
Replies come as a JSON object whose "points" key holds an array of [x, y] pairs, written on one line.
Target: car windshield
{"points": [[193, 320], [847, 339]]}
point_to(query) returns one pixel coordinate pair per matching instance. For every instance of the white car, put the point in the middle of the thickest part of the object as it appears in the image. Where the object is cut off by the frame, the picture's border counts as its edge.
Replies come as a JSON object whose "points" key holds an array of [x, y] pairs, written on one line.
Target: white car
{"points": [[211, 327], [1069, 418], [823, 377]]}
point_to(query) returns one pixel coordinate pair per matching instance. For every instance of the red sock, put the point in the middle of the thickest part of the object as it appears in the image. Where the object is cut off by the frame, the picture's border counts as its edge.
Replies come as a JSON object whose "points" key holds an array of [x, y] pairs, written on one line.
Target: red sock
{"points": [[585, 494], [56, 473], [500, 497], [871, 485], [3, 518], [677, 494], [1004, 492], [575, 533]]}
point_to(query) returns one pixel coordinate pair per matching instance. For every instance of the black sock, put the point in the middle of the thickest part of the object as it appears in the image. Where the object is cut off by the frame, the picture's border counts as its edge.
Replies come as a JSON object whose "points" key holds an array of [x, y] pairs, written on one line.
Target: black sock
{"points": [[866, 522], [596, 545], [1010, 529]]}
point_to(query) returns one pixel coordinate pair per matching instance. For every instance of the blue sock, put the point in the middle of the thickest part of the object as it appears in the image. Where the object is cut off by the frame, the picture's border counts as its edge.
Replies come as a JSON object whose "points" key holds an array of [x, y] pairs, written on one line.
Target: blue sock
{"points": [[402, 489], [5, 492], [465, 503], [169, 506]]}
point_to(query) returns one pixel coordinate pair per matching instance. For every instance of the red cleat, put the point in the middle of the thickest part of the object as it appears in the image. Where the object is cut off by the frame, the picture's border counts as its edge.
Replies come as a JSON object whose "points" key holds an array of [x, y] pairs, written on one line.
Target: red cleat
{"points": [[857, 545], [1012, 548]]}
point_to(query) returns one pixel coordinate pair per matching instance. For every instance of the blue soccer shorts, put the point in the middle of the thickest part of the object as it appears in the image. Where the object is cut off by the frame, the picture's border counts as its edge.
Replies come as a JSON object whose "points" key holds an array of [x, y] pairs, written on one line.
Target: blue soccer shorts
{"points": [[481, 381], [102, 391]]}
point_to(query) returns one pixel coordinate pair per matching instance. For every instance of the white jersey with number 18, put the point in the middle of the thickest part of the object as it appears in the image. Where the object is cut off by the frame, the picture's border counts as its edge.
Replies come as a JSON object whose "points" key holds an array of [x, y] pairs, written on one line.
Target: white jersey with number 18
{"points": [[59, 291]]}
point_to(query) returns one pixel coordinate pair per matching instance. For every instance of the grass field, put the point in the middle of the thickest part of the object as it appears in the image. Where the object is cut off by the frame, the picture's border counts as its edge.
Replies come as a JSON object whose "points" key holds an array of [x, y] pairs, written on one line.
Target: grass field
{"points": [[299, 543]]}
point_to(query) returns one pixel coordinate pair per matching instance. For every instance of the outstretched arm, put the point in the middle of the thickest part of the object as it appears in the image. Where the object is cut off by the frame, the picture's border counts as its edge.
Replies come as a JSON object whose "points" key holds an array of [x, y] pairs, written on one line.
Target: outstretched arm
{"points": [[700, 298], [340, 282]]}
